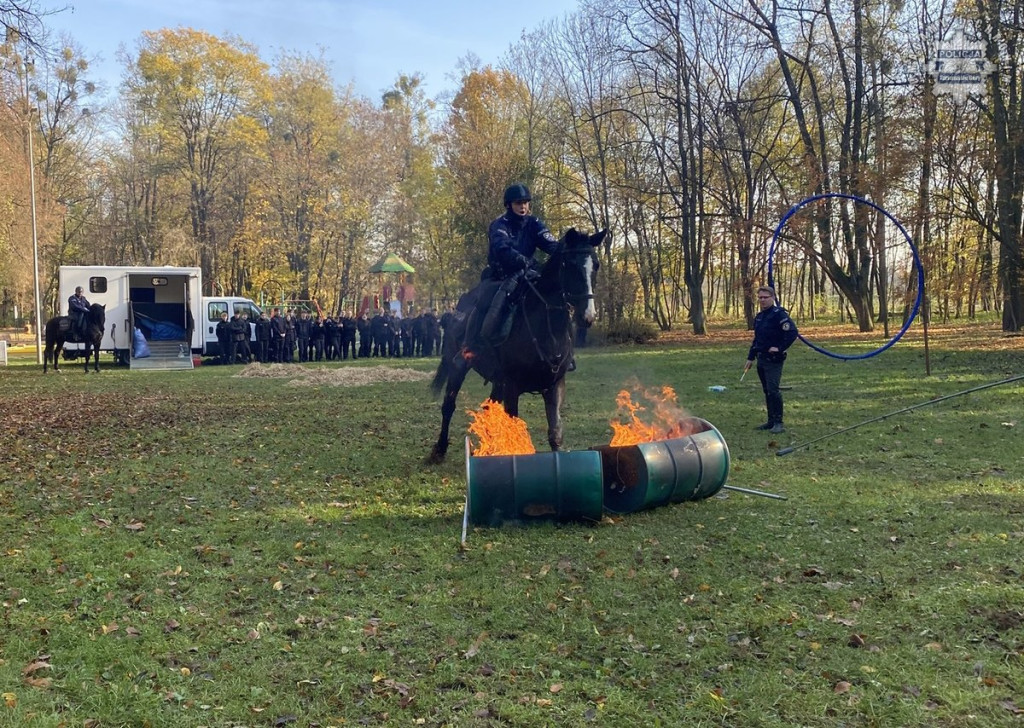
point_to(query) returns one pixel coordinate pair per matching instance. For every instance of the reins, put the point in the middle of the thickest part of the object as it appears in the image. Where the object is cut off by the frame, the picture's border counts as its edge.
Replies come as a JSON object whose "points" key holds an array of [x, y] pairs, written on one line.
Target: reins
{"points": [[552, 361]]}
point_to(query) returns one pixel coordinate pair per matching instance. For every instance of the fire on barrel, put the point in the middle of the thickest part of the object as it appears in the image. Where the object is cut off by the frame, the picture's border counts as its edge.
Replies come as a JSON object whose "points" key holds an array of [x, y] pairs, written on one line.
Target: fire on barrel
{"points": [[658, 454]]}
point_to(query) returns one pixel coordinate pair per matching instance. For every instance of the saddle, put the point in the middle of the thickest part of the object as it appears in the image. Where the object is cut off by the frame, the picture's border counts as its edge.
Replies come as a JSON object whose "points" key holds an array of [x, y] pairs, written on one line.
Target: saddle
{"points": [[66, 326]]}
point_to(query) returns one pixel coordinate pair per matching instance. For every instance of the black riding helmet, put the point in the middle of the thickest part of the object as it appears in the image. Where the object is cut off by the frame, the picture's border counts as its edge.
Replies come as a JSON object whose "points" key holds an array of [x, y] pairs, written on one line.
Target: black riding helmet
{"points": [[515, 193]]}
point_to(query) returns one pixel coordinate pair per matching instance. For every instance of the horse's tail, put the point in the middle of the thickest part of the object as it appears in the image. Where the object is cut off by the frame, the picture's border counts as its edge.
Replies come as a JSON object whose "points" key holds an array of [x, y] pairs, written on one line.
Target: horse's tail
{"points": [[441, 375]]}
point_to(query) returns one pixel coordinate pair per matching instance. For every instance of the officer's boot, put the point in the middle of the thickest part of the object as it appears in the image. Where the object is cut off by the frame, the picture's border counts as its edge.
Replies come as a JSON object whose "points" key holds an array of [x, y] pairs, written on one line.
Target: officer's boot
{"points": [[496, 313]]}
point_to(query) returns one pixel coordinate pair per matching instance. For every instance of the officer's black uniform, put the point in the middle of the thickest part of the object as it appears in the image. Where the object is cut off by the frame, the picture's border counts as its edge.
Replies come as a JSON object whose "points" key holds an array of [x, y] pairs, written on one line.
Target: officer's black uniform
{"points": [[348, 336], [772, 328], [263, 339]]}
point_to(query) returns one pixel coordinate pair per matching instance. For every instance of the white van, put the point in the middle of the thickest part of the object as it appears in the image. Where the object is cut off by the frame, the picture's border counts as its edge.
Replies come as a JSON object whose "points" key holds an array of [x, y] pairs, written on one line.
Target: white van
{"points": [[213, 307]]}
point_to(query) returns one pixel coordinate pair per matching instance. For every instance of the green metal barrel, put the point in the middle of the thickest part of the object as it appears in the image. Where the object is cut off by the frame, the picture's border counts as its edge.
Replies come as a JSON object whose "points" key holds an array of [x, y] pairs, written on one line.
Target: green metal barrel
{"points": [[651, 474], [549, 486]]}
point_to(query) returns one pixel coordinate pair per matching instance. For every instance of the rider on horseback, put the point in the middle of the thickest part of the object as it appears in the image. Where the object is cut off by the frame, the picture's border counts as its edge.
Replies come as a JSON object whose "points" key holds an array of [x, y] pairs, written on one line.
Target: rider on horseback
{"points": [[513, 239], [78, 310]]}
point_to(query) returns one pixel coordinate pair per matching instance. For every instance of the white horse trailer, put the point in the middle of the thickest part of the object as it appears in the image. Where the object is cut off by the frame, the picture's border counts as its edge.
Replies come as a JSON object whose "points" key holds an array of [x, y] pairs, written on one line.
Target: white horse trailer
{"points": [[157, 303]]}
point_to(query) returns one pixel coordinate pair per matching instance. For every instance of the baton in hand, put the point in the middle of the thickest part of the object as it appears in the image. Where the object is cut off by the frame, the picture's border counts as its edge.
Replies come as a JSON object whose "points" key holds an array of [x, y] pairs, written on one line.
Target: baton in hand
{"points": [[746, 368]]}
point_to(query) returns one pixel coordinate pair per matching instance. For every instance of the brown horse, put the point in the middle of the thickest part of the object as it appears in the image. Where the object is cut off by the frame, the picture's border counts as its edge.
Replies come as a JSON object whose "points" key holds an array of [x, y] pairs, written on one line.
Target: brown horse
{"points": [[59, 331], [538, 350]]}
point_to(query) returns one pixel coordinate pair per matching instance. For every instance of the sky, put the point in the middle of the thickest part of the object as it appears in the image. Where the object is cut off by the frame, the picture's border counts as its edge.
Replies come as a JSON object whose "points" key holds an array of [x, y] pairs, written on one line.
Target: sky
{"points": [[368, 43]]}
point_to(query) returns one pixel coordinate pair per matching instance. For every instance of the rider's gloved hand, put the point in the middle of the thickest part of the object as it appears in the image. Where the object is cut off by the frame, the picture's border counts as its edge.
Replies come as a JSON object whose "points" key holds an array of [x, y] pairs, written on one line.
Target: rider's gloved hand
{"points": [[531, 274]]}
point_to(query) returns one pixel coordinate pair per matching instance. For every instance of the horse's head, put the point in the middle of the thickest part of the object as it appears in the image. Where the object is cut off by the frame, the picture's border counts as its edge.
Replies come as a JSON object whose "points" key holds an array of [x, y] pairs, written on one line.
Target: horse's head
{"points": [[577, 271], [98, 315]]}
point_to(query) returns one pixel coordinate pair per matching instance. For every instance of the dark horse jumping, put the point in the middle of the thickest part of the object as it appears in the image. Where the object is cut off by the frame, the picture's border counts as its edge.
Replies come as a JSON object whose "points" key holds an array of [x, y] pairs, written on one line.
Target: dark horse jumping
{"points": [[538, 350], [59, 330]]}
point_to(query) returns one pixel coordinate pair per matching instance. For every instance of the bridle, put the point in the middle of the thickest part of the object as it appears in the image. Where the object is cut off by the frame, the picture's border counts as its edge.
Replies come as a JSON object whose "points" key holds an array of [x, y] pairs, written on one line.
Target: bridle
{"points": [[567, 305]]}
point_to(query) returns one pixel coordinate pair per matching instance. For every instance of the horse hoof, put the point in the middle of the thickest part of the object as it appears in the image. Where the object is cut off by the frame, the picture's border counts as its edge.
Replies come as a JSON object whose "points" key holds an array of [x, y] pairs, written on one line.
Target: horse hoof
{"points": [[435, 457]]}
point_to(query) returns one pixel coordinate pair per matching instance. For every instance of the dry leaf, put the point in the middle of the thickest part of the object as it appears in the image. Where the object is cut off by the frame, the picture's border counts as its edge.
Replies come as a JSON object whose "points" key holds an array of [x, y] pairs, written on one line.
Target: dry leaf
{"points": [[475, 647], [135, 525], [35, 666], [841, 687], [556, 688]]}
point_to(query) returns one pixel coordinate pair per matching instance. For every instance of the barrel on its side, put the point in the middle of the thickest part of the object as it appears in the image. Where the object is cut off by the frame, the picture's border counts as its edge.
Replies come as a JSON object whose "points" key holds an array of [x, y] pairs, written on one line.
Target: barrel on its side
{"points": [[550, 486], [651, 474]]}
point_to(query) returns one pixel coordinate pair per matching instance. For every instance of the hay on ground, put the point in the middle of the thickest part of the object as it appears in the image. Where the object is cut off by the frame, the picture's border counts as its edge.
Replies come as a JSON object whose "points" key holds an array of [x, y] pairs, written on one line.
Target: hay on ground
{"points": [[300, 376]]}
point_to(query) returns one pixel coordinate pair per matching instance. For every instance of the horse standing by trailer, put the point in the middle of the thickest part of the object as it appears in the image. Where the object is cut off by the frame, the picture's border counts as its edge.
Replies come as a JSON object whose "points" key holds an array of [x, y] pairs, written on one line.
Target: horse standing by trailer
{"points": [[536, 354], [59, 330]]}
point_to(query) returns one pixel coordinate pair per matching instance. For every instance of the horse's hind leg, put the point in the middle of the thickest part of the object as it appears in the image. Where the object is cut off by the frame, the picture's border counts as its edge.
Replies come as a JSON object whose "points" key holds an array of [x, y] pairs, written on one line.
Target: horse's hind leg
{"points": [[553, 397], [455, 378]]}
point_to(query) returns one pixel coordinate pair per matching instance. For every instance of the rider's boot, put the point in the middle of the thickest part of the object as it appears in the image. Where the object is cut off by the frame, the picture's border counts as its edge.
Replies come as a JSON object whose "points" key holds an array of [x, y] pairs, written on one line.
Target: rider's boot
{"points": [[496, 313]]}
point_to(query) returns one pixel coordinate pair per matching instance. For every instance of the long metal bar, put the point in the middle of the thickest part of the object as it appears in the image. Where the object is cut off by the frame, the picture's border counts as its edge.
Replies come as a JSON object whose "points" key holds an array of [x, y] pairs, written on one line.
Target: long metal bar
{"points": [[788, 450], [750, 491]]}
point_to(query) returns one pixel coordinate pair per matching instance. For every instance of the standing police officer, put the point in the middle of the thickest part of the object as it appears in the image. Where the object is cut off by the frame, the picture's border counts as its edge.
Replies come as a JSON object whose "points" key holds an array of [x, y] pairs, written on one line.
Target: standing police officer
{"points": [[774, 332]]}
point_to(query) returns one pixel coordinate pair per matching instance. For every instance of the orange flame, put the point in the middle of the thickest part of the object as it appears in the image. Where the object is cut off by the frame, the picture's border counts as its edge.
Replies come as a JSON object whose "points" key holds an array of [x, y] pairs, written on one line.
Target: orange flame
{"points": [[670, 420], [499, 432]]}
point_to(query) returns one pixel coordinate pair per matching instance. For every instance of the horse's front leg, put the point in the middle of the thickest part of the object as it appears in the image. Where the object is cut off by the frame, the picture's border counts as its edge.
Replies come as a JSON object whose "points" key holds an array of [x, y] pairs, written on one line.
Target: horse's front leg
{"points": [[553, 397]]}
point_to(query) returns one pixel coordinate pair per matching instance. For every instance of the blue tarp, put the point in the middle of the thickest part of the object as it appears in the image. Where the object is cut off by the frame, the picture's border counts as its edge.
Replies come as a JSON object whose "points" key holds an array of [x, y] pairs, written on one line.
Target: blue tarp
{"points": [[140, 349]]}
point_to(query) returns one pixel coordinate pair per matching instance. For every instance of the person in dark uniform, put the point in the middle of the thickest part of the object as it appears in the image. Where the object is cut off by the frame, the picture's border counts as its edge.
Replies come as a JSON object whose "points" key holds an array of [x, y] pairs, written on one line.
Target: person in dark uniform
{"points": [[332, 339], [379, 333], [278, 327], [288, 348], [223, 336], [244, 349], [239, 331], [316, 340], [263, 338], [363, 327], [78, 310], [303, 326], [513, 239], [774, 332], [348, 336]]}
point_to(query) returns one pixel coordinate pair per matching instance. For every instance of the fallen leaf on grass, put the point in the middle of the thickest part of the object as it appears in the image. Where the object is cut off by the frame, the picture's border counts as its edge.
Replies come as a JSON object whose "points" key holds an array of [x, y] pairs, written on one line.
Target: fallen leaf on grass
{"points": [[841, 687], [556, 688], [135, 525], [10, 700], [38, 682], [35, 666], [1011, 706], [475, 647]]}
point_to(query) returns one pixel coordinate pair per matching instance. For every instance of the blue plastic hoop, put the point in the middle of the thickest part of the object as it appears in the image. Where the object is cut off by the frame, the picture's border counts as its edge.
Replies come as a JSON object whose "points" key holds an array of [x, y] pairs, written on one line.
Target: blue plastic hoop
{"points": [[917, 264]]}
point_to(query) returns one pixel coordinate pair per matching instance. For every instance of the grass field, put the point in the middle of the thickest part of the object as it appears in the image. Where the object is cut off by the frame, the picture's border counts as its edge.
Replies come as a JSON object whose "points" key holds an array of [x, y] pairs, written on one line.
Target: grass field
{"points": [[206, 549]]}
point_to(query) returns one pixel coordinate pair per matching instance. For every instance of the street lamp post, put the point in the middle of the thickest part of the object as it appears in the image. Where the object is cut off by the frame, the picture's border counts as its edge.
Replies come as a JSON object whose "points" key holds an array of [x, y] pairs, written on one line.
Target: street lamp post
{"points": [[35, 238]]}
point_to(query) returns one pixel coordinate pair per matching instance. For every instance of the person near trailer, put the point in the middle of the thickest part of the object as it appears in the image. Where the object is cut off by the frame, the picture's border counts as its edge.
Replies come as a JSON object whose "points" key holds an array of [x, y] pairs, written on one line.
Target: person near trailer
{"points": [[348, 336], [238, 330], [78, 310], [224, 337], [316, 339], [263, 338], [774, 332], [303, 326], [244, 349]]}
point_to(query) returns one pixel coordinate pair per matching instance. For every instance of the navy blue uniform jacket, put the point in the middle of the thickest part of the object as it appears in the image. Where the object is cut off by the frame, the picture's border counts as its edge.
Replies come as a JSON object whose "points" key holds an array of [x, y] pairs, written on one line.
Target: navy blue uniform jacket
{"points": [[772, 327], [512, 241]]}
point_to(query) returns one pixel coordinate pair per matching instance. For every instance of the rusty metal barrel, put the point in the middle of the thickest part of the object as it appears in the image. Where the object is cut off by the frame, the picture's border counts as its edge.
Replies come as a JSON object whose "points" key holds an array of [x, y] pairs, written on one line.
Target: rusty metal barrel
{"points": [[548, 486], [651, 474]]}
